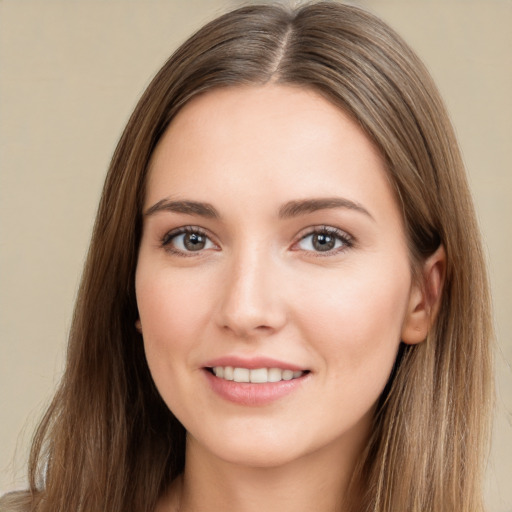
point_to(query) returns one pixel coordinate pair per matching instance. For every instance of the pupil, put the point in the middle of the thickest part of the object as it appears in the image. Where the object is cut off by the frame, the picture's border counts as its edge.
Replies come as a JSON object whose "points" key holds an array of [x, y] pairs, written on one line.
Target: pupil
{"points": [[323, 242], [194, 241]]}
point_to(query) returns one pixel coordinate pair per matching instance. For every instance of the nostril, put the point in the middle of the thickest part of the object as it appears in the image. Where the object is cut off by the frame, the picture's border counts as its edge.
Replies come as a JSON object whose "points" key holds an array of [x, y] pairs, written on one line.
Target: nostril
{"points": [[246, 331]]}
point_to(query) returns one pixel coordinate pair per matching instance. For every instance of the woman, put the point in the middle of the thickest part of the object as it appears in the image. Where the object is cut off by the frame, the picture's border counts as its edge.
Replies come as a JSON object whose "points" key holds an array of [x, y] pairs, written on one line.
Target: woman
{"points": [[285, 303]]}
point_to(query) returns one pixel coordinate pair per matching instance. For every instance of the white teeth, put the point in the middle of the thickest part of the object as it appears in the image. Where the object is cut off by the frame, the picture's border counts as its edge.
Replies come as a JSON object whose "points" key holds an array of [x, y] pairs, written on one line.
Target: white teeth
{"points": [[287, 374], [275, 374], [241, 375], [257, 375]]}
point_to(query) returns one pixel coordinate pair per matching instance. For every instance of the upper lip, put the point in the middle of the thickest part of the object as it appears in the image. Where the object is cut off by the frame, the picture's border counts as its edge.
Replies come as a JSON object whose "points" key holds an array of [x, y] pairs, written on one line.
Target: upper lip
{"points": [[252, 363]]}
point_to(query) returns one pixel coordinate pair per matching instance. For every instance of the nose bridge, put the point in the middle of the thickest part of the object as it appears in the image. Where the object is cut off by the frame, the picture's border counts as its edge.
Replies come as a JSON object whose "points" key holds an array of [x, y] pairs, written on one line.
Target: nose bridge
{"points": [[250, 301]]}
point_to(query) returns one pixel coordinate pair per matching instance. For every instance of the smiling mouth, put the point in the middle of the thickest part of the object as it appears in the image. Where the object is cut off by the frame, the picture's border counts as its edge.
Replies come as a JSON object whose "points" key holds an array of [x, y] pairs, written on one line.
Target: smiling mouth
{"points": [[256, 375]]}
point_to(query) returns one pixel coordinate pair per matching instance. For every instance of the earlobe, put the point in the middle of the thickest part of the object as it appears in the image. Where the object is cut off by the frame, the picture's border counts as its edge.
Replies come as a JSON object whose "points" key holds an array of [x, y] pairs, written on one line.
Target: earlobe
{"points": [[425, 298]]}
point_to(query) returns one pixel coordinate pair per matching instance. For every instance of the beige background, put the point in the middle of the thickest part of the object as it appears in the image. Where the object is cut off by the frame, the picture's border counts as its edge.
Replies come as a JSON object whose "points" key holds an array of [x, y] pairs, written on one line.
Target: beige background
{"points": [[70, 74]]}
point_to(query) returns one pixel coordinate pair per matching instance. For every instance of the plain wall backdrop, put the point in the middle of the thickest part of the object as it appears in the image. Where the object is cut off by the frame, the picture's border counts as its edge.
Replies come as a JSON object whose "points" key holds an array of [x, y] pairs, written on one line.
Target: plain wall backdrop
{"points": [[70, 75]]}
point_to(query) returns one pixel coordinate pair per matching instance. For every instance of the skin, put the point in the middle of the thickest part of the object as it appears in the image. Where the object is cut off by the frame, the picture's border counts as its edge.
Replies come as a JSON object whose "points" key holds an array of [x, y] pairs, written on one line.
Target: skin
{"points": [[260, 287]]}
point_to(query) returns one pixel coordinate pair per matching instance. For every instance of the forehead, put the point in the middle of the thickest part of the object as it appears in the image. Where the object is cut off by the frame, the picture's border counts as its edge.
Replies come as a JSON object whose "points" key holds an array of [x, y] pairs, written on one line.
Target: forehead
{"points": [[234, 113], [279, 141]]}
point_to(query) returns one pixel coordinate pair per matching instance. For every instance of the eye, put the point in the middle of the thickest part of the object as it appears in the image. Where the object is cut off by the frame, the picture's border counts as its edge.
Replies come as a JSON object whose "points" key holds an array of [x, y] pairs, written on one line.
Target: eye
{"points": [[187, 240], [325, 239]]}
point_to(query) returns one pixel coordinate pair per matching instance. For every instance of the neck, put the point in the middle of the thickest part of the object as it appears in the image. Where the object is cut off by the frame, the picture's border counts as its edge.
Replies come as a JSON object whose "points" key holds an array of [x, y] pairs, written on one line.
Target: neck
{"points": [[321, 481]]}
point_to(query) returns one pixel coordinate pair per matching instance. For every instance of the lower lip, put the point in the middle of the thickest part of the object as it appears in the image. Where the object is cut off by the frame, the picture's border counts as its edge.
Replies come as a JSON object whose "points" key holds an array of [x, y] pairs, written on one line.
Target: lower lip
{"points": [[247, 393]]}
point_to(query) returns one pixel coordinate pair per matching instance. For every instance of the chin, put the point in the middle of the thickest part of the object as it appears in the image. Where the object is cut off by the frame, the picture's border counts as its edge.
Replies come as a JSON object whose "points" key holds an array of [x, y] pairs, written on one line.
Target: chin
{"points": [[271, 446], [260, 456], [265, 449]]}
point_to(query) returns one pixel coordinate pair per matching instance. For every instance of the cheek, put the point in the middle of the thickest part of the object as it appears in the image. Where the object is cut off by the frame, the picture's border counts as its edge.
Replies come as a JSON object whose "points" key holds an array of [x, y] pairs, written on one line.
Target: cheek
{"points": [[174, 310], [356, 324], [171, 306]]}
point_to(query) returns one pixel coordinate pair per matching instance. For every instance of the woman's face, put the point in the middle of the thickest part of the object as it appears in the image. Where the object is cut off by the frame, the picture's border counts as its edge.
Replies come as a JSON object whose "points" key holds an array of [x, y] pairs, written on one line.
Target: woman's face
{"points": [[273, 251]]}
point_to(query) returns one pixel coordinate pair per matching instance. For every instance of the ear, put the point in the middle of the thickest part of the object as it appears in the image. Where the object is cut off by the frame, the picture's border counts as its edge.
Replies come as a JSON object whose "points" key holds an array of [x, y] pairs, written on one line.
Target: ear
{"points": [[425, 298], [138, 325]]}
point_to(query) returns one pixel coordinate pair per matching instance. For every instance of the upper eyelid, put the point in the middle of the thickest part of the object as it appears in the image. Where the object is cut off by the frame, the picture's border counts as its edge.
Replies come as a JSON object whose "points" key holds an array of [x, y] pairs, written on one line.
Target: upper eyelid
{"points": [[166, 241], [323, 228], [347, 238], [168, 236], [186, 229]]}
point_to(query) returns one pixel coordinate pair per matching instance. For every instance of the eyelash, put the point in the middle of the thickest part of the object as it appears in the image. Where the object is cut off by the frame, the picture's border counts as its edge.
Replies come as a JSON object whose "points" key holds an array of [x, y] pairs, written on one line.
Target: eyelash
{"points": [[168, 238], [338, 235], [346, 240]]}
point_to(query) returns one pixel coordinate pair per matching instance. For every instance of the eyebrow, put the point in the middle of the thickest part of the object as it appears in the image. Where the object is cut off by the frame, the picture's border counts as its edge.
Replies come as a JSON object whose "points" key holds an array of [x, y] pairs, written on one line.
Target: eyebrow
{"points": [[186, 207], [302, 207], [288, 210]]}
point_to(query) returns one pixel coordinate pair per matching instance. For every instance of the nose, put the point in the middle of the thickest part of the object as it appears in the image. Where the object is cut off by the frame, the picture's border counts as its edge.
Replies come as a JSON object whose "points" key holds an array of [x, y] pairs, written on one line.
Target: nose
{"points": [[252, 300]]}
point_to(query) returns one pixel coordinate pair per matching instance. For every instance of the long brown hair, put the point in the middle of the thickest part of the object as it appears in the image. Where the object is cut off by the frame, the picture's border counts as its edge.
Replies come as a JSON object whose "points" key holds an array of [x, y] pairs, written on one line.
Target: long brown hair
{"points": [[108, 442]]}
